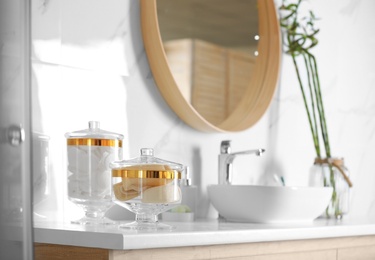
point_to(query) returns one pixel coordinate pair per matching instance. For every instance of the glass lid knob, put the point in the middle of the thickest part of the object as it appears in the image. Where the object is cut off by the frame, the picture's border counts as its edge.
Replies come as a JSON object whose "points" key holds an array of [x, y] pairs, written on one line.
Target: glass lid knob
{"points": [[147, 152]]}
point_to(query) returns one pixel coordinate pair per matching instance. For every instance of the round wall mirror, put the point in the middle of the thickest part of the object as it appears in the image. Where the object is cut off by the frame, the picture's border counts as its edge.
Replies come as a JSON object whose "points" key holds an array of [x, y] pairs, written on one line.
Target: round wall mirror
{"points": [[215, 62]]}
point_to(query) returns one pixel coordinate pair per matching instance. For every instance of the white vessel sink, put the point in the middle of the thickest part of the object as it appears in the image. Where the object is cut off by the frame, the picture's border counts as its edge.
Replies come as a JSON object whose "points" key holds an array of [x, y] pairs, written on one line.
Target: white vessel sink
{"points": [[269, 204]]}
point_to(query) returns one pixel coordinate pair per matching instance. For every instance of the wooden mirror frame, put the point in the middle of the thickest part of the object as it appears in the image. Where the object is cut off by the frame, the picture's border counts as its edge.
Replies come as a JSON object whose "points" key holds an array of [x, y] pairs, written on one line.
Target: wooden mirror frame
{"points": [[262, 86]]}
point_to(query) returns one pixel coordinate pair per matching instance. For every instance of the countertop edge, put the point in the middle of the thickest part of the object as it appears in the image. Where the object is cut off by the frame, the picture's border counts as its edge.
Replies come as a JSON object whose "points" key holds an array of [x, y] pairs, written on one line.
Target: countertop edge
{"points": [[198, 234], [248, 236]]}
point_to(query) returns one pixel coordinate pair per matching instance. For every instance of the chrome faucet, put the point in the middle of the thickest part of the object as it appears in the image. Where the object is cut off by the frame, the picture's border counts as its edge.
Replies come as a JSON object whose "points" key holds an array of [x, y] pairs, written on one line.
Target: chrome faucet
{"points": [[226, 161]]}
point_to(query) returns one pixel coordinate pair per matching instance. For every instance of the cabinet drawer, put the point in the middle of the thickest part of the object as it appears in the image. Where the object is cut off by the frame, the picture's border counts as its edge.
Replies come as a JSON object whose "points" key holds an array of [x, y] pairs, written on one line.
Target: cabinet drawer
{"points": [[315, 255], [355, 253]]}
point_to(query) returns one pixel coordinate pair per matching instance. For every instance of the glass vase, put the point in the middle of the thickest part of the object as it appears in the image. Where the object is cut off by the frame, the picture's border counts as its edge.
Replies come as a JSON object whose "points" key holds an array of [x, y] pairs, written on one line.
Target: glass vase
{"points": [[332, 172]]}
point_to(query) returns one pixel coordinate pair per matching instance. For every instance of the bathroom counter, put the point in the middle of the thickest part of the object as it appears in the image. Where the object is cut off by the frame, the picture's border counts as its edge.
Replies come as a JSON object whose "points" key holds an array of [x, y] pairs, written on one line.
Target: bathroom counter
{"points": [[198, 233]]}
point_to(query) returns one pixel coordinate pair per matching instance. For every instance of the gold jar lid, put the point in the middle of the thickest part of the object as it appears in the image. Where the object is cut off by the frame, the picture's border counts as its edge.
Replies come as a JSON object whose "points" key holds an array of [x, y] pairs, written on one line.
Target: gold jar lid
{"points": [[147, 166], [94, 142], [146, 173], [94, 136]]}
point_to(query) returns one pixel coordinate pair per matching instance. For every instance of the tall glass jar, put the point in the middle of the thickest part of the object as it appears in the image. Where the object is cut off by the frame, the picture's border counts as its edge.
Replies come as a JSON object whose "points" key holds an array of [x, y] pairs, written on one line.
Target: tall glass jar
{"points": [[90, 152], [332, 172]]}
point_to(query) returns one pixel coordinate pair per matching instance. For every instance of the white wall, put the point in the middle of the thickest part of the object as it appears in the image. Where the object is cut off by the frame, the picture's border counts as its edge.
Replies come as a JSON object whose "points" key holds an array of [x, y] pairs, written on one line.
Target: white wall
{"points": [[89, 63]]}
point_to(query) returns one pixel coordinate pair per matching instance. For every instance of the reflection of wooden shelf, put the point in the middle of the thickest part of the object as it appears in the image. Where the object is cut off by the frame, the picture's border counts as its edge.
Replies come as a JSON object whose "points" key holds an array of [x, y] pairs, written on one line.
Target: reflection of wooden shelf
{"points": [[212, 78], [180, 60], [240, 69]]}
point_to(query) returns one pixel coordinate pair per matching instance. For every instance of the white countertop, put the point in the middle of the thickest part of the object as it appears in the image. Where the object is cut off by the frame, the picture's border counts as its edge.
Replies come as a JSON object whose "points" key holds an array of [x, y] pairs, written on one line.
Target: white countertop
{"points": [[201, 232]]}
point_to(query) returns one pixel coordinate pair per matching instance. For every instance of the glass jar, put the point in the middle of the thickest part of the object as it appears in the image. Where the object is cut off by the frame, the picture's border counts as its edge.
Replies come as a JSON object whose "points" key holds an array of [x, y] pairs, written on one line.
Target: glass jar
{"points": [[146, 186], [331, 172], [41, 178], [89, 176]]}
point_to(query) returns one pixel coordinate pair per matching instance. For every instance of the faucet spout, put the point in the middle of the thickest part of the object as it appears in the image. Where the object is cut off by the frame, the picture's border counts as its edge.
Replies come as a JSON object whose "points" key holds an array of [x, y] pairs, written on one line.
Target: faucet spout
{"points": [[257, 152], [226, 161]]}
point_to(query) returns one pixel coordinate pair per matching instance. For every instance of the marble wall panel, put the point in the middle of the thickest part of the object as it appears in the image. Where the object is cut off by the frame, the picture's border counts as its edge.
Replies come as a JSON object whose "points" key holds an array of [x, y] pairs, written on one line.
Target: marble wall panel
{"points": [[97, 52]]}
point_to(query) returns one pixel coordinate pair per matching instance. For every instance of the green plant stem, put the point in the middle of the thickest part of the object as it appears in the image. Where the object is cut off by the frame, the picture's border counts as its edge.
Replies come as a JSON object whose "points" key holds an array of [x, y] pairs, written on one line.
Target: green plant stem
{"points": [[318, 101], [322, 113], [311, 82], [314, 135]]}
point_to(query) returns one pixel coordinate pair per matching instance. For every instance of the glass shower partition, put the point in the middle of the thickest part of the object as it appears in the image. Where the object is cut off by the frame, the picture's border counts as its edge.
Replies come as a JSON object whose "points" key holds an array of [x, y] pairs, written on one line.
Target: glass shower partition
{"points": [[16, 236]]}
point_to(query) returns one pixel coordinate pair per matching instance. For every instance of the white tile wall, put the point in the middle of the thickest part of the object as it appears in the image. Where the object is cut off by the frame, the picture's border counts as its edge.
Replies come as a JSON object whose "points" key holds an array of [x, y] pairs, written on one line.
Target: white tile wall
{"points": [[89, 63]]}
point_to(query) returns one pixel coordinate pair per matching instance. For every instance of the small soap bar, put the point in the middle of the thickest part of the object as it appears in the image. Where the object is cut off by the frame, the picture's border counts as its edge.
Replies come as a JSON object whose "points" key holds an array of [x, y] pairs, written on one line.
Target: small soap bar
{"points": [[178, 217]]}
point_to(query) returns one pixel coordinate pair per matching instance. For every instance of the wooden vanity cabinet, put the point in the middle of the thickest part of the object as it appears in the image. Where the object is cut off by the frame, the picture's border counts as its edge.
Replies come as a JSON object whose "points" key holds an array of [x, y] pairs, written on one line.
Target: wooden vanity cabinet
{"points": [[344, 248]]}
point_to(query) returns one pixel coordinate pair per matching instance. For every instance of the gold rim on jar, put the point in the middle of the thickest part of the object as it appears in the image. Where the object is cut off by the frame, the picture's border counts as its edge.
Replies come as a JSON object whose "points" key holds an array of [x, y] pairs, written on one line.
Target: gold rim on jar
{"points": [[131, 173], [94, 142]]}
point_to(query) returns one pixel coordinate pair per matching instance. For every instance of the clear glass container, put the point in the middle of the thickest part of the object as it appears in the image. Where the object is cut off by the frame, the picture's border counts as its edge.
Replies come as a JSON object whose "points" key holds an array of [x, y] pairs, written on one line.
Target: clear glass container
{"points": [[41, 178], [332, 172], [147, 186], [90, 152]]}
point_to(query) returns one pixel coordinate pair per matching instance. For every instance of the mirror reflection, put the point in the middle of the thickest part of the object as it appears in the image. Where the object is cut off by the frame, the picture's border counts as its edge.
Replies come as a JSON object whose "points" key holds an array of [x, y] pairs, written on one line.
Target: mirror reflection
{"points": [[211, 48]]}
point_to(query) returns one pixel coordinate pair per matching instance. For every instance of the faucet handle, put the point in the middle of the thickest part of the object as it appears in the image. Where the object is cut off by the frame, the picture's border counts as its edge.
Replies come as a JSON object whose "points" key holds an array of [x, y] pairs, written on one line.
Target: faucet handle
{"points": [[225, 147]]}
